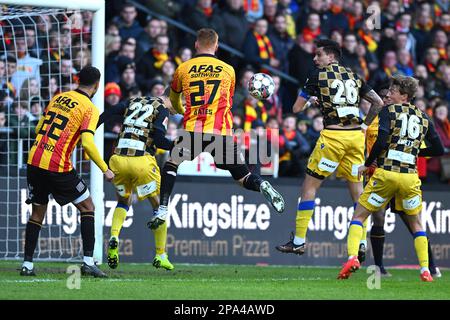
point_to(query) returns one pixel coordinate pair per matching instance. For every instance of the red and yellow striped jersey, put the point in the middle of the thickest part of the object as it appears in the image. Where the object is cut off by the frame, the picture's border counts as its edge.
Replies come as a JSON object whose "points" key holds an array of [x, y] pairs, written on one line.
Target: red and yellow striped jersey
{"points": [[67, 116], [207, 84]]}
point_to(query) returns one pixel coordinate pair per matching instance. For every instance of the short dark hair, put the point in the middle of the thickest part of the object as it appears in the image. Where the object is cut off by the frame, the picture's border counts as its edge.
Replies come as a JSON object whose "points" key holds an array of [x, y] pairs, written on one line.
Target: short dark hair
{"points": [[406, 85], [88, 76], [330, 46]]}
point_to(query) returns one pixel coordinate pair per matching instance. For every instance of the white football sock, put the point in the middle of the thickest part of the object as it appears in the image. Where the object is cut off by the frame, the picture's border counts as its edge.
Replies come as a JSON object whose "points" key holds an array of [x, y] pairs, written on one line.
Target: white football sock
{"points": [[28, 265], [364, 242], [423, 269], [88, 260], [298, 241]]}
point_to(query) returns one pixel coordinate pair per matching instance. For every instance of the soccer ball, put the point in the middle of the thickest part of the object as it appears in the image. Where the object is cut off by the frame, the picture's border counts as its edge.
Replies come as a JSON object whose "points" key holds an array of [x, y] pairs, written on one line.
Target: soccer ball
{"points": [[261, 86]]}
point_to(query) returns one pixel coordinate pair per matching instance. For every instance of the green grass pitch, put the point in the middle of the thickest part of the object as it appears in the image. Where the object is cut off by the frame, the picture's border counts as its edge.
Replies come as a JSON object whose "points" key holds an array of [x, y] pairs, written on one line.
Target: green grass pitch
{"points": [[215, 282]]}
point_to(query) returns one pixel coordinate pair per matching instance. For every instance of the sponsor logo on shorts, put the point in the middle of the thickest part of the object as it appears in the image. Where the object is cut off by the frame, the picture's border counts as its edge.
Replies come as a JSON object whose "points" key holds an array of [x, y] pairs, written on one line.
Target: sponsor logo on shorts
{"points": [[327, 165], [146, 189], [412, 203], [322, 145], [121, 190], [376, 200], [80, 186], [355, 169]]}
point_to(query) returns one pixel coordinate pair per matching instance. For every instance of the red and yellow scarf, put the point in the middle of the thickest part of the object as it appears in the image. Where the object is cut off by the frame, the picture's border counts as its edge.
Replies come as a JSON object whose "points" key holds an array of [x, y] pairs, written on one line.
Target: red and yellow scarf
{"points": [[368, 40], [253, 113], [160, 58], [264, 46]]}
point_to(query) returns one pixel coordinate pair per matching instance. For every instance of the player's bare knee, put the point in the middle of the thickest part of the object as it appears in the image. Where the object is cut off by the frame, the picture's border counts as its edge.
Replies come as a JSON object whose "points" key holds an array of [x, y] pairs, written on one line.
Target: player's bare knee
{"points": [[38, 212], [378, 218], [86, 205]]}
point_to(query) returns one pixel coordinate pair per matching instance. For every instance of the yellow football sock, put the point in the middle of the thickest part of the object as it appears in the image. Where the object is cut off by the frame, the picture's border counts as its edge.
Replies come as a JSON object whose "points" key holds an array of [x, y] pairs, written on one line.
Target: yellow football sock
{"points": [[354, 237], [304, 214], [120, 213], [160, 238], [421, 246], [364, 230]]}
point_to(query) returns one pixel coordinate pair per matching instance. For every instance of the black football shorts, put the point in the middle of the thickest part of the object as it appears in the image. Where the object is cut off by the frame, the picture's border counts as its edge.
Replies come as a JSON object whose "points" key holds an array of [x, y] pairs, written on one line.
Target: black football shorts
{"points": [[65, 187]]}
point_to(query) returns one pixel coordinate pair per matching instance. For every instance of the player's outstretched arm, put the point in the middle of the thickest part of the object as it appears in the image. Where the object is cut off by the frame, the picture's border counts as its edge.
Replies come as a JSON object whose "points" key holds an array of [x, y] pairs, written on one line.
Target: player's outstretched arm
{"points": [[301, 103], [87, 140], [118, 109], [375, 108]]}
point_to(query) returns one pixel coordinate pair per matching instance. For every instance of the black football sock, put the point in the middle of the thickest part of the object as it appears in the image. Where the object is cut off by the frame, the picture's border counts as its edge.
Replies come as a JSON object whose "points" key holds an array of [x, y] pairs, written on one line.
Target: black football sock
{"points": [[253, 182], [31, 237], [168, 177], [377, 237], [88, 233]]}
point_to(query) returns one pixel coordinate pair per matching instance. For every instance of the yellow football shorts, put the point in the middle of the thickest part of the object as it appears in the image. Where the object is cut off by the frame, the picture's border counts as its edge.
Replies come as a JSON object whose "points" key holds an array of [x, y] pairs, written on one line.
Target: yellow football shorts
{"points": [[135, 174], [338, 150], [384, 185]]}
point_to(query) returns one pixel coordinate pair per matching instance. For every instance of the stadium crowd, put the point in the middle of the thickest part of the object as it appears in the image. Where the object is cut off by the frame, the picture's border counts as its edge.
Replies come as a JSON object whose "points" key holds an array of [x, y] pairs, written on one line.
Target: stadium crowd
{"points": [[142, 53]]}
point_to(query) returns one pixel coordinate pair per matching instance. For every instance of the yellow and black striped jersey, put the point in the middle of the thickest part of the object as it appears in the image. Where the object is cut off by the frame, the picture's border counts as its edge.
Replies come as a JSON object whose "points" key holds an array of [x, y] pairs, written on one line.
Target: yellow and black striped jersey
{"points": [[339, 90]]}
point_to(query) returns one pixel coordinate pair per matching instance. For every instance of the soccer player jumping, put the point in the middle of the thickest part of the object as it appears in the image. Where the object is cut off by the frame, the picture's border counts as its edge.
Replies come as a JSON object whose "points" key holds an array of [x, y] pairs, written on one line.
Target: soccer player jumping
{"points": [[69, 116], [340, 147], [401, 131], [207, 84]]}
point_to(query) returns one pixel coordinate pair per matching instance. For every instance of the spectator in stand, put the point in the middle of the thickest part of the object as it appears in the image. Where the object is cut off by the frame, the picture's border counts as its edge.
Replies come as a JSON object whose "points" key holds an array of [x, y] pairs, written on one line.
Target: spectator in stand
{"points": [[387, 70], [241, 92], [405, 64], [314, 6], [403, 25], [113, 96], [126, 52], [128, 80], [300, 60], [29, 88], [128, 25], [151, 63], [444, 86], [313, 133], [184, 54], [270, 11], [432, 60], [273, 104], [7, 90], [235, 23], [294, 149], [390, 14], [349, 56], [167, 72], [49, 88], [422, 30], [147, 38], [442, 126], [281, 41], [203, 15], [443, 22], [36, 108], [258, 48], [337, 36], [428, 83], [254, 110], [302, 127], [157, 88], [312, 29], [440, 42], [22, 126], [254, 9], [32, 45], [289, 10], [335, 17], [355, 15], [27, 66]]}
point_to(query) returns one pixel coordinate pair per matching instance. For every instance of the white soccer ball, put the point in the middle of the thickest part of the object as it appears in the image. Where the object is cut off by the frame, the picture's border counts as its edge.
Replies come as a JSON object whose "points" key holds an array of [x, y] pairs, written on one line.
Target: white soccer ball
{"points": [[261, 86]]}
